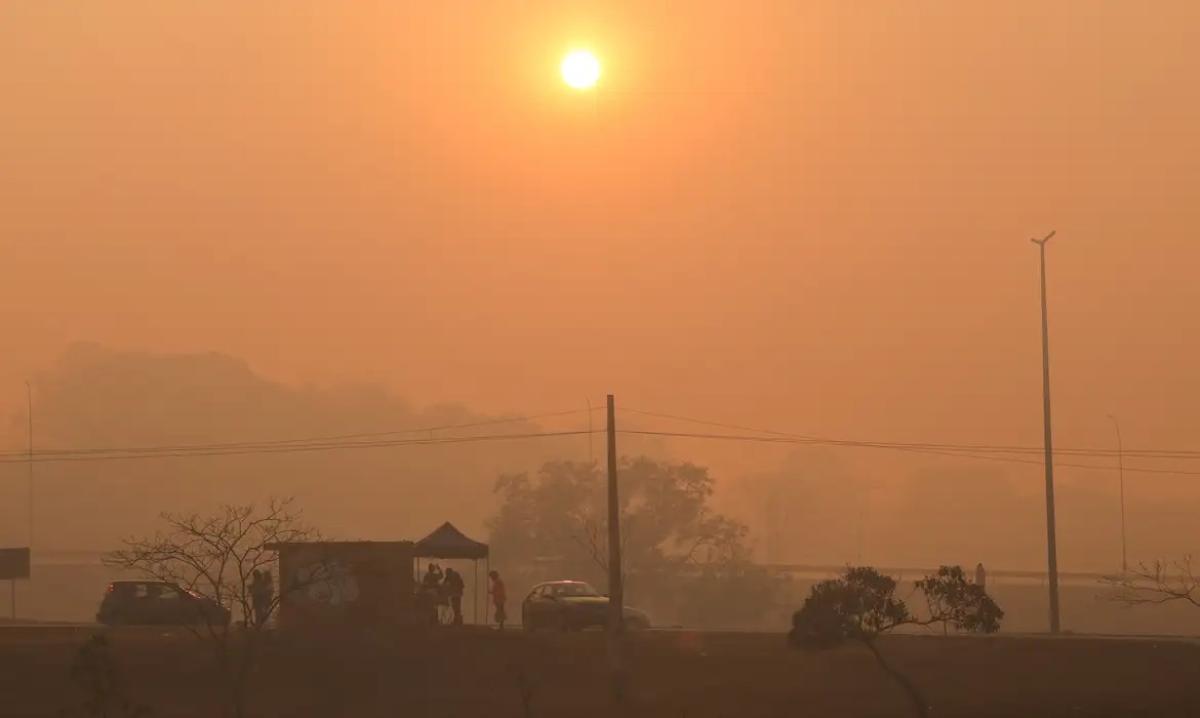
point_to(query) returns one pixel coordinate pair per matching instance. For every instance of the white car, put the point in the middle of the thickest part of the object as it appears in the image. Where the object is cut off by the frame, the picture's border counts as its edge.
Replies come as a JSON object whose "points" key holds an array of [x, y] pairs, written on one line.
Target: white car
{"points": [[572, 606]]}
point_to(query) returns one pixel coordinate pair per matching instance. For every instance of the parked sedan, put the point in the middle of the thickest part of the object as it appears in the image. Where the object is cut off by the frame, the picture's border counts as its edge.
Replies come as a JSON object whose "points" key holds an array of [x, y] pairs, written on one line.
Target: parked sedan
{"points": [[158, 603], [572, 606]]}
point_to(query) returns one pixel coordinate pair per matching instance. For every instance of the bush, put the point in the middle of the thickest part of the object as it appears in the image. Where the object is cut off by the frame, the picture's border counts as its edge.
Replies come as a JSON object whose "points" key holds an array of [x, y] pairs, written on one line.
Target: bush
{"points": [[858, 606]]}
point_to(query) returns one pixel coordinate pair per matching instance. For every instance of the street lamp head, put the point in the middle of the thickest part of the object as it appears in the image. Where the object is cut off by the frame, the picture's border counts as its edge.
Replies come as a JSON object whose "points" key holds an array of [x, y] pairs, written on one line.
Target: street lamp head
{"points": [[1116, 424], [1043, 240]]}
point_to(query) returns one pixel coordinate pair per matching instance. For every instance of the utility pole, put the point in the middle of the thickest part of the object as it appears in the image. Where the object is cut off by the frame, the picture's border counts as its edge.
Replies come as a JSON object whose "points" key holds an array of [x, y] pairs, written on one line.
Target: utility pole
{"points": [[616, 602], [1051, 542], [1121, 469], [29, 406]]}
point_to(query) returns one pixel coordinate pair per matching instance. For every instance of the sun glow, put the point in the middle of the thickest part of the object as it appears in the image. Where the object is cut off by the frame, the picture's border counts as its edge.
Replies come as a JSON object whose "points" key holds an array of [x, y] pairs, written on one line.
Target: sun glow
{"points": [[580, 69]]}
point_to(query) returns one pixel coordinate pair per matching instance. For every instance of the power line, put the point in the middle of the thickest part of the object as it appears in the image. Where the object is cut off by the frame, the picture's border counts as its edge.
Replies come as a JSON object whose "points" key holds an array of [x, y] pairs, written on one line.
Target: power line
{"points": [[330, 446], [915, 448], [369, 440], [266, 444], [1185, 454], [719, 424]]}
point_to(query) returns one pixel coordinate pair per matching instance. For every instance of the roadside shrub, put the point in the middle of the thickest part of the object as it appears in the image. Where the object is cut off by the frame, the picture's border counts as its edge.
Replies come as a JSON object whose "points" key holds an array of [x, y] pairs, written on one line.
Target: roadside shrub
{"points": [[96, 672]]}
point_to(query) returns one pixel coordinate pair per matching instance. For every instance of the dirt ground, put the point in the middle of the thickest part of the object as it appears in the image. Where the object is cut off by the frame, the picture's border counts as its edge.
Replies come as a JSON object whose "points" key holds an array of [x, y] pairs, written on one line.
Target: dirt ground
{"points": [[475, 672]]}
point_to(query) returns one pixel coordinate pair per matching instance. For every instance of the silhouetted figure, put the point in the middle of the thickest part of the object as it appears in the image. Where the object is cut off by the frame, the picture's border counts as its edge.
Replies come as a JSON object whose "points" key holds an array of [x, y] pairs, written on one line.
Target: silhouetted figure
{"points": [[253, 587], [453, 586], [499, 597], [980, 576], [430, 593], [262, 592], [268, 594]]}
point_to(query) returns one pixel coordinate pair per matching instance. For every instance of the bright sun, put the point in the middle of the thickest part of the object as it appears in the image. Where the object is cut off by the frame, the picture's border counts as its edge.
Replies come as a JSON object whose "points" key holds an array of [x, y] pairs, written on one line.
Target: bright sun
{"points": [[580, 69]]}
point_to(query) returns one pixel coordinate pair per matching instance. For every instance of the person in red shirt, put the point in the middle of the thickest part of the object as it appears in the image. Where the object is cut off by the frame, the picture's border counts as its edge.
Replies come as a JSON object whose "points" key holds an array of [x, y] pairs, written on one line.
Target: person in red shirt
{"points": [[499, 597]]}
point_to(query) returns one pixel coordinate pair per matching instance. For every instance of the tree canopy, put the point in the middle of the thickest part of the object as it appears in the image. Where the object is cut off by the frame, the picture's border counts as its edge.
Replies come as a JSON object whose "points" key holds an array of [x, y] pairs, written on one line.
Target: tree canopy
{"points": [[955, 601], [561, 512], [672, 538]]}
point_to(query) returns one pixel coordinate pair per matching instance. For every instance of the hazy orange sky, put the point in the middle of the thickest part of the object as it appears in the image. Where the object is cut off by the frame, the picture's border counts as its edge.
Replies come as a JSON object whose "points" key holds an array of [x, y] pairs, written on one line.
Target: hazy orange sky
{"points": [[812, 216]]}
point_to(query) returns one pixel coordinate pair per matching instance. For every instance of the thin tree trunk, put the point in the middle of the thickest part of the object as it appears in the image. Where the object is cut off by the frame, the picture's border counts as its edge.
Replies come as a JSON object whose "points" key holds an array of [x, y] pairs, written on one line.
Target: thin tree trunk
{"points": [[245, 665], [232, 676], [232, 709], [920, 707]]}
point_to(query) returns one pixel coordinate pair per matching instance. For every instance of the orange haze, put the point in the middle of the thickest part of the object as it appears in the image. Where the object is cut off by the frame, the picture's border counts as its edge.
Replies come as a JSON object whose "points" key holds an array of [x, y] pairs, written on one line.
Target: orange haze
{"points": [[808, 216]]}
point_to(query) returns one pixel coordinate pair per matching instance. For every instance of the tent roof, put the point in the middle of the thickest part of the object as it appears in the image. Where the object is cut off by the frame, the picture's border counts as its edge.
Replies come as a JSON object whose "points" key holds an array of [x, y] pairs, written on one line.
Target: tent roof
{"points": [[448, 542]]}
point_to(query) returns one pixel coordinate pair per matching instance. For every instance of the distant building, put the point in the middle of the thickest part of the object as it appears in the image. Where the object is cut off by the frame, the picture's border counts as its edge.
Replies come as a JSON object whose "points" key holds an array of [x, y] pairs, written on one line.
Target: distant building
{"points": [[345, 582], [332, 583]]}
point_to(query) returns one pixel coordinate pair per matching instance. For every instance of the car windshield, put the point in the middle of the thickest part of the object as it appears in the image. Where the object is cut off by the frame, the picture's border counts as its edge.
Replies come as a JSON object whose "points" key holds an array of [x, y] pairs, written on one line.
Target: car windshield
{"points": [[573, 589]]}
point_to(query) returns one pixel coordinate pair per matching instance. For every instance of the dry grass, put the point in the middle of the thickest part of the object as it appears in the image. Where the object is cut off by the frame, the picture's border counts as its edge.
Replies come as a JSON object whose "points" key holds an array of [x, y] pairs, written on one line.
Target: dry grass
{"points": [[475, 673]]}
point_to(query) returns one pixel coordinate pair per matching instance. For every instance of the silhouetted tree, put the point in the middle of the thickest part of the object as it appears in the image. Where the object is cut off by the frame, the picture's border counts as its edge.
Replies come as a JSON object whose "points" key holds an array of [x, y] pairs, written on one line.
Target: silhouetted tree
{"points": [[216, 557], [97, 674], [1157, 582], [670, 534], [862, 605], [954, 601], [665, 516]]}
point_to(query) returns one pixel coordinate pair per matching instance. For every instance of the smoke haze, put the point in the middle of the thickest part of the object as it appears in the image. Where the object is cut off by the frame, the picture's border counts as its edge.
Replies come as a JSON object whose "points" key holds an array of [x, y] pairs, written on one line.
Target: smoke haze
{"points": [[323, 218]]}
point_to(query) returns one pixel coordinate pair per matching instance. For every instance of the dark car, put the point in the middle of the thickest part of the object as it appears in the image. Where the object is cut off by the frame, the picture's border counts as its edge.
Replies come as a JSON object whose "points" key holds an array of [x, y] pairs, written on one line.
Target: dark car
{"points": [[158, 603], [572, 606]]}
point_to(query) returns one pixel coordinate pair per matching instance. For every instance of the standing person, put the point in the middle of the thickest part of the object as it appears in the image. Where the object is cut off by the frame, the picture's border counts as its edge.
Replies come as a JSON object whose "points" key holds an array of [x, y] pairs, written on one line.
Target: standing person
{"points": [[255, 587], [264, 597], [980, 576], [258, 598], [454, 586], [499, 597], [439, 595], [431, 592]]}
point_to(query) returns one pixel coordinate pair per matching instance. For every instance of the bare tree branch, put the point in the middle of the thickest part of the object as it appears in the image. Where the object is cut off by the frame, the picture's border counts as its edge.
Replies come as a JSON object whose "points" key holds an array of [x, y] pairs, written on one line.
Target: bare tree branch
{"points": [[1156, 583], [216, 557]]}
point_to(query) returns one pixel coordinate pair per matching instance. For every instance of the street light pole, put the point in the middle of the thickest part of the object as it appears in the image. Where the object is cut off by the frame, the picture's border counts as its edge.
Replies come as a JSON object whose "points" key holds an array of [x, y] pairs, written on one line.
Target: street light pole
{"points": [[1121, 470], [1051, 542], [29, 407]]}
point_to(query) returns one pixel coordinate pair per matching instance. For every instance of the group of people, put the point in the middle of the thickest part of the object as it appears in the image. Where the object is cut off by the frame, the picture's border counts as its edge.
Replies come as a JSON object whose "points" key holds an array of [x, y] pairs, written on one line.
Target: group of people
{"points": [[441, 590]]}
